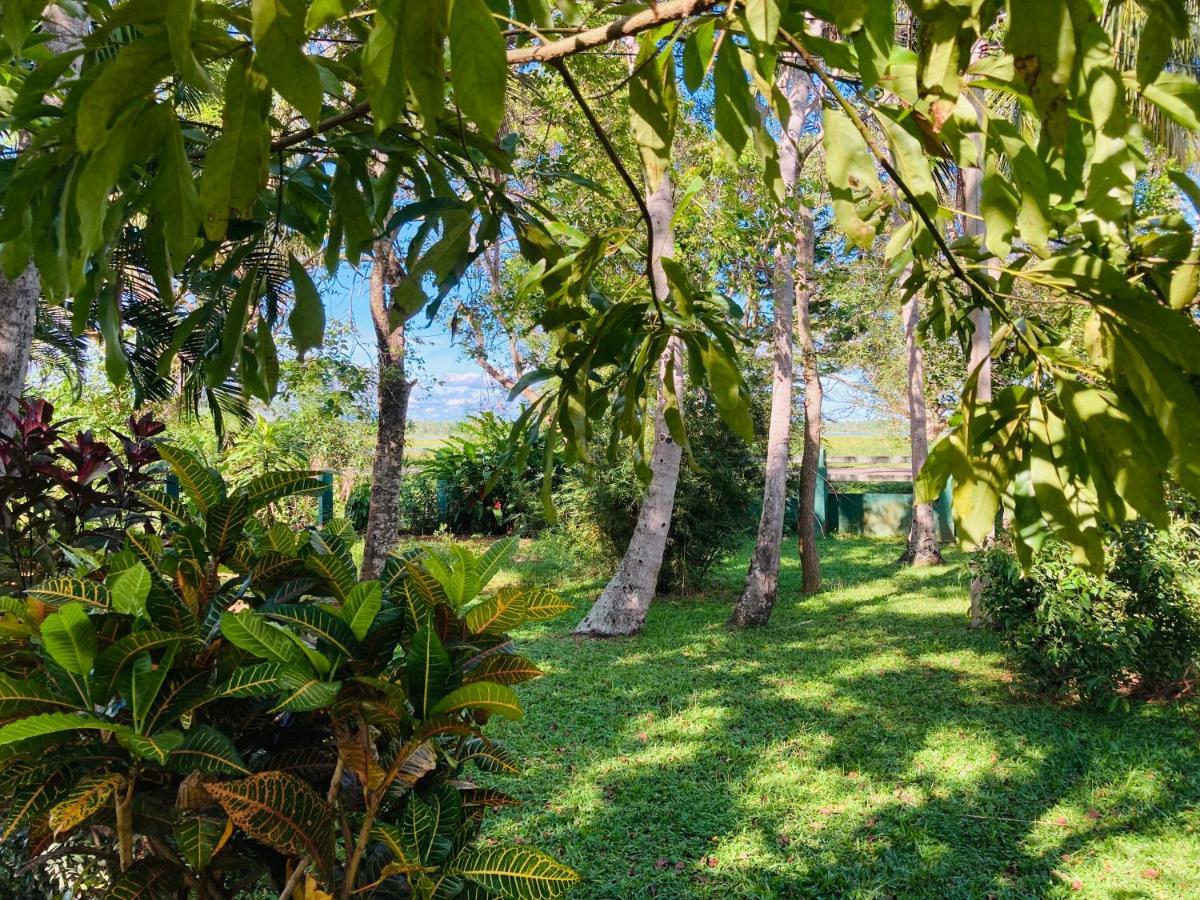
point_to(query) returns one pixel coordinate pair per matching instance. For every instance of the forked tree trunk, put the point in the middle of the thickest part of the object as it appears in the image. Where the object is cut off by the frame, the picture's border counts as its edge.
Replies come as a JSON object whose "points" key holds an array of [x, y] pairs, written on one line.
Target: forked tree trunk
{"points": [[922, 549], [761, 587], [621, 608], [810, 563], [383, 518]]}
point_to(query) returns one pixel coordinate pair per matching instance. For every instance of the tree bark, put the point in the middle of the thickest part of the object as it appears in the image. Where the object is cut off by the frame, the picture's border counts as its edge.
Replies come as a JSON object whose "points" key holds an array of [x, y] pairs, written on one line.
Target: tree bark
{"points": [[810, 563], [395, 388], [18, 316], [922, 549], [761, 587], [621, 608]]}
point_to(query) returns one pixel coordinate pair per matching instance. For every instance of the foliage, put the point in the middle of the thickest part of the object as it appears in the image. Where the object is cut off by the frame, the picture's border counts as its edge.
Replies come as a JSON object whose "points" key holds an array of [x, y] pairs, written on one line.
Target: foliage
{"points": [[715, 500], [230, 691], [1072, 633], [487, 488], [418, 501], [63, 498]]}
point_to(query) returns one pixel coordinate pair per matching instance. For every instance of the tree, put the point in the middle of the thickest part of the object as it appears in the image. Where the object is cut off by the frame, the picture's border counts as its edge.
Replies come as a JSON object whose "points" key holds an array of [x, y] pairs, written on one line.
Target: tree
{"points": [[922, 548], [794, 251]]}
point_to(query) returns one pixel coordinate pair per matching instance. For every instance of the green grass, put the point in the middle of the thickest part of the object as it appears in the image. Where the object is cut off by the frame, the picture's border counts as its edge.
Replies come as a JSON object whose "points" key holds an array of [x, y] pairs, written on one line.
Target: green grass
{"points": [[866, 744]]}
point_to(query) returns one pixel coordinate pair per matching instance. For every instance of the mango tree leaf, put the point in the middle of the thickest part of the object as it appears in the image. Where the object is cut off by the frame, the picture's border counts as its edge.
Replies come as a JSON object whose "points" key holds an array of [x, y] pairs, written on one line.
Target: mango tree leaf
{"points": [[478, 67], [307, 318], [653, 109], [850, 170], [727, 389], [423, 34], [282, 812], [279, 37], [123, 79], [735, 113], [179, 17], [1041, 38]]}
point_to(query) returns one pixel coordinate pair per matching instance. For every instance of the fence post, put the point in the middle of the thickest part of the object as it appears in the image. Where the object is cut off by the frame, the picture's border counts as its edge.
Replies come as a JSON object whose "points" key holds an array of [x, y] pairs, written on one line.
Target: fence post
{"points": [[945, 512], [819, 495], [172, 485], [325, 500]]}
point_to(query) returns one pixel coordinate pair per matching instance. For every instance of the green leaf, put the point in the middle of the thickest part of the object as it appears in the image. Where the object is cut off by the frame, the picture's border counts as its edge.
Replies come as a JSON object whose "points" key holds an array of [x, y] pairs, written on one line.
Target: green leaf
{"points": [[165, 504], [116, 366], [258, 637], [175, 196], [735, 113], [205, 749], [282, 812], [517, 872], [70, 639], [382, 65], [485, 695], [199, 836], [17, 693], [223, 525], [156, 747], [494, 559], [144, 681], [179, 17], [84, 799], [489, 756], [121, 653], [479, 68], [279, 36], [201, 484], [653, 109], [70, 590], [541, 604], [362, 606], [147, 879], [276, 485], [235, 167], [850, 170], [422, 57], [698, 55], [331, 567], [1178, 96], [762, 20], [1041, 38], [727, 390], [499, 613], [250, 681], [307, 318], [320, 621], [54, 723], [301, 692], [124, 79], [427, 667], [322, 12], [503, 668], [130, 589]]}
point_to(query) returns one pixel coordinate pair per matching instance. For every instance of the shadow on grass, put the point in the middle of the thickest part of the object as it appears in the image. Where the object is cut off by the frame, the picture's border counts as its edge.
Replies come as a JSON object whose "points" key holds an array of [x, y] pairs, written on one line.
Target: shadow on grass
{"points": [[866, 743]]}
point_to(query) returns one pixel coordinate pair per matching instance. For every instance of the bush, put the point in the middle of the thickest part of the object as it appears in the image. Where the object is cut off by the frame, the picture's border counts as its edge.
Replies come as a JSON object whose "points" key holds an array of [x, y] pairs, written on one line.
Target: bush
{"points": [[418, 503], [1075, 634], [716, 502], [202, 710], [487, 488]]}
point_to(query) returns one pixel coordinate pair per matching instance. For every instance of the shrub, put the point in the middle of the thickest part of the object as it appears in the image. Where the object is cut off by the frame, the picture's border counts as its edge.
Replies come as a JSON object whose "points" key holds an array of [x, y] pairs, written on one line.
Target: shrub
{"points": [[224, 702], [63, 497], [1075, 634], [418, 503], [716, 501], [358, 506], [487, 488]]}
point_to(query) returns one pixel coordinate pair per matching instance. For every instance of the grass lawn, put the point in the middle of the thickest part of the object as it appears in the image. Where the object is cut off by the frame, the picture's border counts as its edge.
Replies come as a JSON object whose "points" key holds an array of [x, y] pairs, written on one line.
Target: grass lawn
{"points": [[866, 744]]}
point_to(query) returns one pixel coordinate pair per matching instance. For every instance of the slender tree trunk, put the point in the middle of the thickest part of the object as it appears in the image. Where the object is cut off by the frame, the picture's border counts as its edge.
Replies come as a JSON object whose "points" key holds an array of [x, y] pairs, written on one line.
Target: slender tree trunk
{"points": [[810, 563], [18, 315], [980, 358], [383, 519], [761, 587], [922, 547], [621, 608]]}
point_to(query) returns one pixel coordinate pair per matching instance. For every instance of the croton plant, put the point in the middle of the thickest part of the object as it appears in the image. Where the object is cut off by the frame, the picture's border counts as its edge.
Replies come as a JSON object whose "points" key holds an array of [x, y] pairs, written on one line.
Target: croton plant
{"points": [[223, 705]]}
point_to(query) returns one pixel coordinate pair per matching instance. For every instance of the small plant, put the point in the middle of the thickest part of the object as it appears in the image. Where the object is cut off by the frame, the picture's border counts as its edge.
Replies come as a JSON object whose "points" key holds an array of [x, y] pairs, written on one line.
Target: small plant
{"points": [[64, 497], [223, 703], [1075, 634]]}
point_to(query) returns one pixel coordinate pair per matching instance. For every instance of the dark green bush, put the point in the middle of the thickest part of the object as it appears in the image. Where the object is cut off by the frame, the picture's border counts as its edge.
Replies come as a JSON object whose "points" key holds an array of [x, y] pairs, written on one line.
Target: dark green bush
{"points": [[1073, 634], [358, 506], [418, 503], [716, 502]]}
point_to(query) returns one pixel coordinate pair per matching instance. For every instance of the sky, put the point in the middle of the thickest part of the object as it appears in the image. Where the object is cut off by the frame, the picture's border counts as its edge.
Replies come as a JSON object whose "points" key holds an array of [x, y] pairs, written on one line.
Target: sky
{"points": [[451, 387]]}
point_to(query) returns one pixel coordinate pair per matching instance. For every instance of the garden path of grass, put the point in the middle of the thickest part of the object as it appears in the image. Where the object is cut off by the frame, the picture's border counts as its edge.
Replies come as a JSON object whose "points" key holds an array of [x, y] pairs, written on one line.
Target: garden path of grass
{"points": [[866, 744]]}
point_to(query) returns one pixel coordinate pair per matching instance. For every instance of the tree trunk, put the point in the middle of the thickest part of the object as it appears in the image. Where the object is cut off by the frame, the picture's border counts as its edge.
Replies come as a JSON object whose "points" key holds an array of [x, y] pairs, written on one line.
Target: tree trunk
{"points": [[980, 358], [18, 315], [810, 563], [383, 519], [621, 608], [761, 587], [922, 547]]}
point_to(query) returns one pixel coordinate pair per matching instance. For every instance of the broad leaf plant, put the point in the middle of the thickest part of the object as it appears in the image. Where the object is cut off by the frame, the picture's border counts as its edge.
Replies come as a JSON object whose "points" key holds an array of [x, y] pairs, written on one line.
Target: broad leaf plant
{"points": [[223, 702]]}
